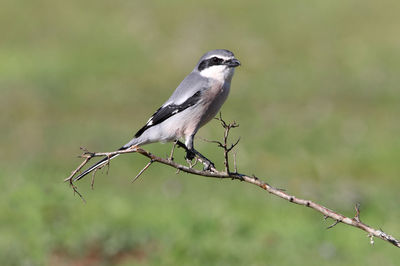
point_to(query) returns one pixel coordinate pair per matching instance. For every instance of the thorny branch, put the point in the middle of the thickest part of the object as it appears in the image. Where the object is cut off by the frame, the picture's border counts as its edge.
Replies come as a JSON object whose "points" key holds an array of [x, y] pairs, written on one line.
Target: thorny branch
{"points": [[211, 171]]}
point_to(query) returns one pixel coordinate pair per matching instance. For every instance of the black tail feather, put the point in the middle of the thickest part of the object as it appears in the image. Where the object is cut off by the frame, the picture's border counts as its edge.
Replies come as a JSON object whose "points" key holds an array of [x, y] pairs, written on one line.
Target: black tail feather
{"points": [[97, 165]]}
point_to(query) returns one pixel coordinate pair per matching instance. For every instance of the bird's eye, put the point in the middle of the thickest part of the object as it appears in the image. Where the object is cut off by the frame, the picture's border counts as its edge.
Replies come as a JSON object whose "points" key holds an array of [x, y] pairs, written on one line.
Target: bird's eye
{"points": [[215, 60]]}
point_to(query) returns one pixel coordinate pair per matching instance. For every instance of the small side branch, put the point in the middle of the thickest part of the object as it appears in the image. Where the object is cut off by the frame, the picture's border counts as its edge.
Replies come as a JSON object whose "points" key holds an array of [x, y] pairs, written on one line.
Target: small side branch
{"points": [[224, 144]]}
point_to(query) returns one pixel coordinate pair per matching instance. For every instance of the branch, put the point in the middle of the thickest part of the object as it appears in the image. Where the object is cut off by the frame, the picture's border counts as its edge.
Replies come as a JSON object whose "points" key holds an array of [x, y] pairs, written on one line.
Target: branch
{"points": [[212, 172]]}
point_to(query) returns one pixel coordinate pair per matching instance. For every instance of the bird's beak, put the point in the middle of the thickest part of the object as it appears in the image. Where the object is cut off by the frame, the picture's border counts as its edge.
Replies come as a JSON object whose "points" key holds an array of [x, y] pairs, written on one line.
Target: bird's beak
{"points": [[233, 62]]}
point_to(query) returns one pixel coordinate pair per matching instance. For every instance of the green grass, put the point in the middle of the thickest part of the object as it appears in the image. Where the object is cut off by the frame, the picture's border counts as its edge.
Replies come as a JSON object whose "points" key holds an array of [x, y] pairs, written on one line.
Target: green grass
{"points": [[316, 97]]}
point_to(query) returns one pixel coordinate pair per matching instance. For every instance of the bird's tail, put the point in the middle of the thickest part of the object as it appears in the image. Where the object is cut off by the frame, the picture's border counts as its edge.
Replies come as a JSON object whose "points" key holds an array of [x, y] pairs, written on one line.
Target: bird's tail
{"points": [[105, 160], [97, 165]]}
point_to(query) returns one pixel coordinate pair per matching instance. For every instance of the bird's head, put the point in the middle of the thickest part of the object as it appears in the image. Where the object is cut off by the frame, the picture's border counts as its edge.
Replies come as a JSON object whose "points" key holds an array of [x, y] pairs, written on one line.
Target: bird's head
{"points": [[217, 64]]}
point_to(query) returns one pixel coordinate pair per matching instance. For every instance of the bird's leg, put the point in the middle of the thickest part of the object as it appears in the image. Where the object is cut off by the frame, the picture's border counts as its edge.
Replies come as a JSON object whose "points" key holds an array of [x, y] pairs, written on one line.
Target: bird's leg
{"points": [[171, 156], [191, 153], [189, 147]]}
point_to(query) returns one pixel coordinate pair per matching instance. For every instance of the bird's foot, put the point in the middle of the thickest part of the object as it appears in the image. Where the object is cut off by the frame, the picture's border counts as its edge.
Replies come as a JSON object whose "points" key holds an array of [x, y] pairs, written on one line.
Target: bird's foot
{"points": [[208, 165], [193, 154], [192, 164], [190, 155]]}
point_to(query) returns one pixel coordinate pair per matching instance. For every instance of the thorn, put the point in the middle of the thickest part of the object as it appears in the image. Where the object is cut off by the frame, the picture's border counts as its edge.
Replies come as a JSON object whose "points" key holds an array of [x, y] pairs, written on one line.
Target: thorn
{"points": [[357, 216], [75, 188], [332, 225], [93, 174], [108, 164], [234, 162], [141, 171]]}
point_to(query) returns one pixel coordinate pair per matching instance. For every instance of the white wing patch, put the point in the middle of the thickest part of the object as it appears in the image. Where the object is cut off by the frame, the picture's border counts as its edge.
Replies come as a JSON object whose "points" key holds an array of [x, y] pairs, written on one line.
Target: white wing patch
{"points": [[150, 121]]}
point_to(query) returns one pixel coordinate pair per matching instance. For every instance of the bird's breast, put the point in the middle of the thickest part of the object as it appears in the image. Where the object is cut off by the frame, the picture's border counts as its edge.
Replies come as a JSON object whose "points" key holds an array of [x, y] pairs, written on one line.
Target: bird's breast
{"points": [[214, 97]]}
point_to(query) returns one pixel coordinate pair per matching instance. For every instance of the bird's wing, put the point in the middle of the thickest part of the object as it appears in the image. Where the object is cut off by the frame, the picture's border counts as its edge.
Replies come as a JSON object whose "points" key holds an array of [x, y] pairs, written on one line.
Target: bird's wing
{"points": [[189, 86], [166, 111]]}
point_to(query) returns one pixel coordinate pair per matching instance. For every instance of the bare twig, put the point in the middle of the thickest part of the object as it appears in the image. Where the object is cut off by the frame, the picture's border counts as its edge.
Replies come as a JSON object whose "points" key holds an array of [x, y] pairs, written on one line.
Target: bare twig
{"points": [[224, 143], [252, 179]]}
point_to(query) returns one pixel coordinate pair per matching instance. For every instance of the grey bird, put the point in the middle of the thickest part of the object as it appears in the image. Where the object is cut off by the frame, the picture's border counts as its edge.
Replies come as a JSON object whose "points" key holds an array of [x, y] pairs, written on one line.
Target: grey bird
{"points": [[196, 101]]}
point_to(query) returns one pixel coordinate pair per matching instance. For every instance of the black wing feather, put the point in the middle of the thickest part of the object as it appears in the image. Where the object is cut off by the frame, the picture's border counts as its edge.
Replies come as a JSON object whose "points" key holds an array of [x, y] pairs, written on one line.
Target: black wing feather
{"points": [[165, 112]]}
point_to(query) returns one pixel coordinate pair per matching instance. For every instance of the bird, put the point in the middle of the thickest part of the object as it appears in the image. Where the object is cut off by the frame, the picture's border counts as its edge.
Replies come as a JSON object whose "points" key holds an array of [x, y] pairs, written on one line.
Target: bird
{"points": [[196, 101]]}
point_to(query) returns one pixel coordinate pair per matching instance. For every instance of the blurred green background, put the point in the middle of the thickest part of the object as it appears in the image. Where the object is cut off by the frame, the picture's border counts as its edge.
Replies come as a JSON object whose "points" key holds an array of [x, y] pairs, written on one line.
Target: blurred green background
{"points": [[318, 103]]}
